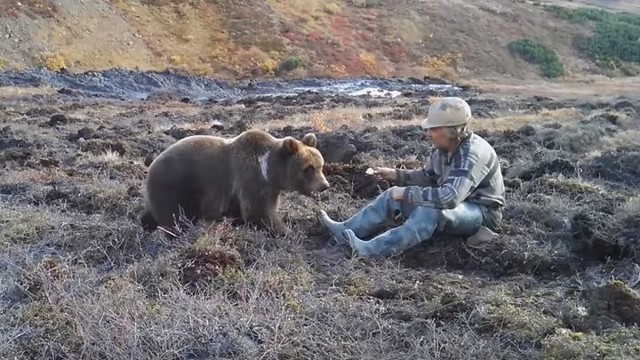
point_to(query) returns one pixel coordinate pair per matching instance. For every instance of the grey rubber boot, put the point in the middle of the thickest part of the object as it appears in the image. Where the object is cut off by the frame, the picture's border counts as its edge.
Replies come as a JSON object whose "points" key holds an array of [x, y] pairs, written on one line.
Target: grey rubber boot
{"points": [[335, 228], [418, 228], [483, 236], [364, 223], [392, 242]]}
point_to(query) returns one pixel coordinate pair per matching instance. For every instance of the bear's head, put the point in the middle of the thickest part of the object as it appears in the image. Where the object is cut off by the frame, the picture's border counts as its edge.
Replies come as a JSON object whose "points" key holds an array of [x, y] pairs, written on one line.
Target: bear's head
{"points": [[301, 167]]}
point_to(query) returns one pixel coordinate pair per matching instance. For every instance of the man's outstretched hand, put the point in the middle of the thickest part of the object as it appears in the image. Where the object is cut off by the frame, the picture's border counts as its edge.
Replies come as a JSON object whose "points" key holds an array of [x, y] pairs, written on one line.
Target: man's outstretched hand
{"points": [[385, 173]]}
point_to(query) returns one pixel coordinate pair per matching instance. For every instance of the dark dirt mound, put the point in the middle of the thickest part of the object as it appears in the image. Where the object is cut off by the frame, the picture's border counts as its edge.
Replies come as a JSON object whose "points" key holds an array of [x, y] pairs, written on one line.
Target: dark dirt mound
{"points": [[344, 145], [498, 259], [620, 165], [555, 166], [8, 140], [609, 306], [204, 264], [601, 236], [56, 120], [179, 133], [617, 301], [353, 179], [84, 133], [86, 199], [21, 157]]}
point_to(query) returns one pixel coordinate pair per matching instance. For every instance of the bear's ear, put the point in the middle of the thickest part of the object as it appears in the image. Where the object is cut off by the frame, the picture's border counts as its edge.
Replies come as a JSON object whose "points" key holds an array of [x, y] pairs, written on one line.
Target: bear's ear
{"points": [[290, 145], [310, 140]]}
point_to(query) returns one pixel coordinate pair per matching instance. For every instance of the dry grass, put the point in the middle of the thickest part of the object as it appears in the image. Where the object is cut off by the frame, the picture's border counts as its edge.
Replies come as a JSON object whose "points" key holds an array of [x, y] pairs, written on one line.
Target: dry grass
{"points": [[194, 39], [587, 87], [502, 123], [629, 209], [382, 117], [19, 92], [81, 279], [332, 119]]}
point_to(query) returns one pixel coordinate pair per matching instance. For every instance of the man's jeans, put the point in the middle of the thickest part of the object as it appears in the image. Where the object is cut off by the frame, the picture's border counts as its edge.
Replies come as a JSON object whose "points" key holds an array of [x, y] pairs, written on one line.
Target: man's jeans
{"points": [[421, 223]]}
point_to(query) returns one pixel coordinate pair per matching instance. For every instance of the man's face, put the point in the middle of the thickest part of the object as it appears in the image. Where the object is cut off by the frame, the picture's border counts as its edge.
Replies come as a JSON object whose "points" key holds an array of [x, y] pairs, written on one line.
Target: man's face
{"points": [[438, 136]]}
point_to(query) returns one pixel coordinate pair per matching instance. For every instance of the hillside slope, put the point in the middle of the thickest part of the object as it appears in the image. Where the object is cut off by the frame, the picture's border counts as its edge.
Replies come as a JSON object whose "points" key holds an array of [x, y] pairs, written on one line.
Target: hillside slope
{"points": [[232, 39]]}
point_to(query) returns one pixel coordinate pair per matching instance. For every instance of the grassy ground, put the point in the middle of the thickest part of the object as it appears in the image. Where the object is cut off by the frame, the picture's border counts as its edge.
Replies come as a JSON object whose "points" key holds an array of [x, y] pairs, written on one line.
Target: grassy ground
{"points": [[79, 278]]}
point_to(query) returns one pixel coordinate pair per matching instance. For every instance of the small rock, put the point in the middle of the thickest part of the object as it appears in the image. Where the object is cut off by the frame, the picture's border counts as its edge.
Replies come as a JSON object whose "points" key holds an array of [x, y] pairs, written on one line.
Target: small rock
{"points": [[66, 91], [179, 133], [384, 294], [56, 119], [527, 130], [164, 95], [552, 125], [84, 133], [434, 80], [542, 98]]}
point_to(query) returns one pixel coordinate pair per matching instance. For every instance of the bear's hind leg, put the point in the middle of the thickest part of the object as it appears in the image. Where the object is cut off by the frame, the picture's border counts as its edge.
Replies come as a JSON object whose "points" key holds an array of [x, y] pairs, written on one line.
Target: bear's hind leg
{"points": [[176, 216], [148, 222], [234, 212]]}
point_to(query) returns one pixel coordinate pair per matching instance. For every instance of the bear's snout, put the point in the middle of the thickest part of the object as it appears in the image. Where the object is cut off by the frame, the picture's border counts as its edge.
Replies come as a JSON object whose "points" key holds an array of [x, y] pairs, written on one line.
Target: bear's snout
{"points": [[324, 185]]}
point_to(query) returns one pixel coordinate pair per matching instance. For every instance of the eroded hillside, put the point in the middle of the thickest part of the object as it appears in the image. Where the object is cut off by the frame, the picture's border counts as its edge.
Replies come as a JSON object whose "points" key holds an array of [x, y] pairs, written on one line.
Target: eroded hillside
{"points": [[232, 39]]}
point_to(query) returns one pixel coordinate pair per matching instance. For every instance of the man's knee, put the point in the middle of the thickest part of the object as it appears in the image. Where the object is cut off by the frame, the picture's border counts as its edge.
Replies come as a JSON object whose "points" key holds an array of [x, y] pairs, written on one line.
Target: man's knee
{"points": [[425, 212], [427, 215], [464, 209], [466, 217]]}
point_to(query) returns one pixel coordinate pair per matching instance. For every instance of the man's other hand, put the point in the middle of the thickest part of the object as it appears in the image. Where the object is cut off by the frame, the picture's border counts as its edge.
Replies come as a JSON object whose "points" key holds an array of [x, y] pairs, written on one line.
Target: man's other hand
{"points": [[397, 193]]}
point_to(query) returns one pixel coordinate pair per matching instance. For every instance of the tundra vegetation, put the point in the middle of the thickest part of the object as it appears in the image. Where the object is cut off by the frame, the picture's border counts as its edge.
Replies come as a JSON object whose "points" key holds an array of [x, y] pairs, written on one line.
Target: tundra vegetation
{"points": [[80, 279]]}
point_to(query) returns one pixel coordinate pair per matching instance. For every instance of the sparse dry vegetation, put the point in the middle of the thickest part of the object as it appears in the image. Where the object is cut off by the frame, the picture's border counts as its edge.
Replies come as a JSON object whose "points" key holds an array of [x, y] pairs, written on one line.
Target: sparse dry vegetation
{"points": [[81, 279]]}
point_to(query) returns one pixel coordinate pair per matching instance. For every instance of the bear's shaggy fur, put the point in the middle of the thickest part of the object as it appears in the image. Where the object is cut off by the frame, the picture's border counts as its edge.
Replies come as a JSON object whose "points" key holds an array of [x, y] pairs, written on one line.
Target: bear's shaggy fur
{"points": [[207, 177]]}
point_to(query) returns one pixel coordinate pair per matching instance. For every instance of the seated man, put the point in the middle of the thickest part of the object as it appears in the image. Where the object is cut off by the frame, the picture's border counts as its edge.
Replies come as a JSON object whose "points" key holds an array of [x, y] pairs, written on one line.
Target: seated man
{"points": [[459, 191]]}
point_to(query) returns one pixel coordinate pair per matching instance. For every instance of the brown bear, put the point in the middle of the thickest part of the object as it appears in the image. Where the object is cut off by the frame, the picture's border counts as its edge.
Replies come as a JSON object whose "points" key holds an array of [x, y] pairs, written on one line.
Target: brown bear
{"points": [[207, 177]]}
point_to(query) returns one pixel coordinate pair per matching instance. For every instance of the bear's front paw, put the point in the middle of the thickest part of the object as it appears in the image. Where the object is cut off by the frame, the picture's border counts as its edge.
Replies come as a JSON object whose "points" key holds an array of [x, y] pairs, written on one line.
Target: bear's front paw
{"points": [[278, 227]]}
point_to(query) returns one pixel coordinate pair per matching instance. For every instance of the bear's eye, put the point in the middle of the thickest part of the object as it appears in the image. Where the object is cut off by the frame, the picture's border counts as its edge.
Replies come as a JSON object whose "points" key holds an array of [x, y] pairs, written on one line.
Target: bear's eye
{"points": [[309, 169]]}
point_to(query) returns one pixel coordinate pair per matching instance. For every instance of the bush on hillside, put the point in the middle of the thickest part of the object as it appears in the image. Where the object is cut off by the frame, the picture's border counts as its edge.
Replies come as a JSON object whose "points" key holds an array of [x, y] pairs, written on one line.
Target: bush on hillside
{"points": [[615, 39], [612, 43], [538, 54], [289, 64], [580, 14]]}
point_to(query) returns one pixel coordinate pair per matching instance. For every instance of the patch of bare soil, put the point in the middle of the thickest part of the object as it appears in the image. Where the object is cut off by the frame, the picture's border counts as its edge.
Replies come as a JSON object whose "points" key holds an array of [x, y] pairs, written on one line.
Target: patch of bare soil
{"points": [[80, 278]]}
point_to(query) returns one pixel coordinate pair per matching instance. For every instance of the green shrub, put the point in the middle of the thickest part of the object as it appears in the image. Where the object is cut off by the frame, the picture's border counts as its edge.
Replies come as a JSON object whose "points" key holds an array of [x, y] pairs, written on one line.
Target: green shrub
{"points": [[613, 42], [580, 14], [538, 54], [615, 39], [290, 63]]}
